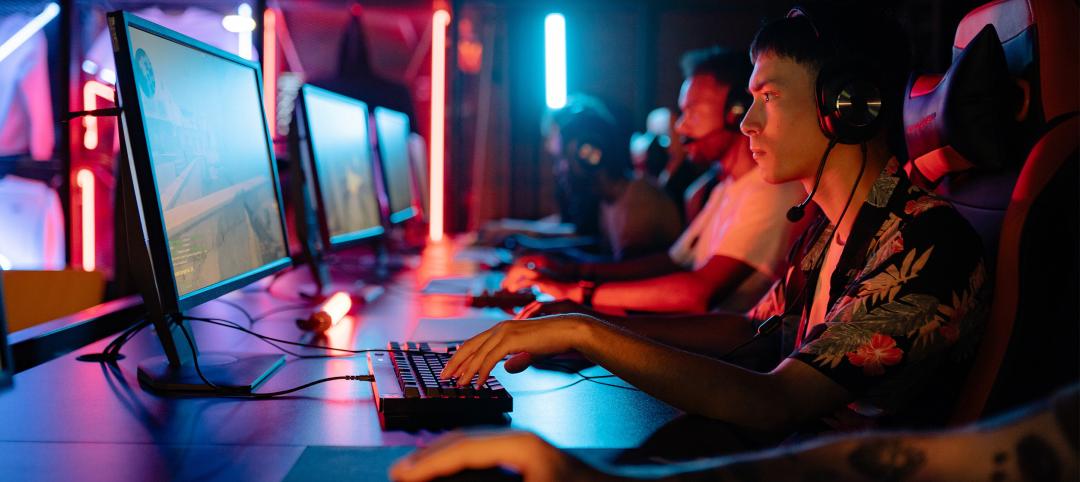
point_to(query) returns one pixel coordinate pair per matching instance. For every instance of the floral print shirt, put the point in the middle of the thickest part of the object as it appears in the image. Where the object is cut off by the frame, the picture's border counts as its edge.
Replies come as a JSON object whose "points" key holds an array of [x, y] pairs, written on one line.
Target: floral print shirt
{"points": [[906, 304]]}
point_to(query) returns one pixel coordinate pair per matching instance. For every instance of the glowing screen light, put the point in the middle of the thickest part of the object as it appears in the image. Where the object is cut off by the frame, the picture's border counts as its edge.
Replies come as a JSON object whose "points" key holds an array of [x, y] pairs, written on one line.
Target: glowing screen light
{"points": [[555, 59]]}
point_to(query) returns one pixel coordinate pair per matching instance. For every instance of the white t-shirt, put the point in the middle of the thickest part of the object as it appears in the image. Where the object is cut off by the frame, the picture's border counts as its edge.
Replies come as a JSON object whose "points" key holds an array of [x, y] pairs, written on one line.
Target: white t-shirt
{"points": [[744, 219], [32, 224]]}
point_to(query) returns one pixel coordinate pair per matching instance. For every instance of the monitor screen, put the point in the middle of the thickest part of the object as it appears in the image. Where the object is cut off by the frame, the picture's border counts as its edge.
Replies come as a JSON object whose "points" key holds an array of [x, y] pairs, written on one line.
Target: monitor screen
{"points": [[337, 133], [212, 166], [393, 130]]}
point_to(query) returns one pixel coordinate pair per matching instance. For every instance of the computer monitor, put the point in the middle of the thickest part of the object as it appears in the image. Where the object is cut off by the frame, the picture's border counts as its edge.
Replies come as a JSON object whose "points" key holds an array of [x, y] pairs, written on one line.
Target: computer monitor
{"points": [[337, 158], [392, 128], [201, 188], [418, 155]]}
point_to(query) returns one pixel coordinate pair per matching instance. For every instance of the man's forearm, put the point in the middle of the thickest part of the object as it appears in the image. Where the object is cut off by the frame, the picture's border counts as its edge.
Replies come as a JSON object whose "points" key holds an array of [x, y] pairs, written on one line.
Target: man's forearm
{"points": [[1029, 445], [638, 268], [704, 385], [712, 334], [682, 292]]}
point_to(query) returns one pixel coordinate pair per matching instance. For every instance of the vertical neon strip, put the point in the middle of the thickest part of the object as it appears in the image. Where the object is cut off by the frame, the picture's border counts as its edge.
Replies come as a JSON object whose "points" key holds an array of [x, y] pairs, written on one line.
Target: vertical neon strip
{"points": [[555, 59], [244, 49], [93, 90], [85, 180], [270, 68], [439, 22], [32, 27]]}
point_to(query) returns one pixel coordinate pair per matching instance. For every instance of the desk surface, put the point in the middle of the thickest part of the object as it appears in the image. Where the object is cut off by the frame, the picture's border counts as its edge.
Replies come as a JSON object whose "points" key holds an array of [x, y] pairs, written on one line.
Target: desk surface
{"points": [[66, 406]]}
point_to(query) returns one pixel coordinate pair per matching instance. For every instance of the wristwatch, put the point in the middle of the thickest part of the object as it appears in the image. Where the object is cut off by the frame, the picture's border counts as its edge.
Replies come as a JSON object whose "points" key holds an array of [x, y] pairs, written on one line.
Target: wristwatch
{"points": [[587, 289]]}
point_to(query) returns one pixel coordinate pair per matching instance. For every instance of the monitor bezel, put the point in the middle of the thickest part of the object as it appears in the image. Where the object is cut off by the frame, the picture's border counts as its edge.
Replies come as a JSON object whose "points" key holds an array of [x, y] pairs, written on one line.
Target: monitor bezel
{"points": [[153, 218], [307, 143], [410, 212]]}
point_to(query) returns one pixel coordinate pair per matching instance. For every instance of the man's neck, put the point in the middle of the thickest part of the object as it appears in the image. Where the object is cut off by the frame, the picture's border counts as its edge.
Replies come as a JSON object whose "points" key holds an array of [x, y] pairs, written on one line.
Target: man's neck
{"points": [[840, 175], [737, 159]]}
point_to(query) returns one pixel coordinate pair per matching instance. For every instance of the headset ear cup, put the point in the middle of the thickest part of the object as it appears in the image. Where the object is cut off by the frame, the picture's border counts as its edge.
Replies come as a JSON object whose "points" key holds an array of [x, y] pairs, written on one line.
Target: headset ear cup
{"points": [[849, 105]]}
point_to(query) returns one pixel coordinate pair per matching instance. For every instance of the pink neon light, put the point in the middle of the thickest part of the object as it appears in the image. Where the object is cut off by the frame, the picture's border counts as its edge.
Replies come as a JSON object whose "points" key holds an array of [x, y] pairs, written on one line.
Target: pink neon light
{"points": [[270, 68], [439, 22], [91, 92], [85, 180]]}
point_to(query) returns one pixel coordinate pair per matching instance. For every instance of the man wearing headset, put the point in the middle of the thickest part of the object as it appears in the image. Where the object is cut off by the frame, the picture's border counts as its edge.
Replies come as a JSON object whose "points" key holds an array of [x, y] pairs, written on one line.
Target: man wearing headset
{"points": [[880, 307], [731, 253]]}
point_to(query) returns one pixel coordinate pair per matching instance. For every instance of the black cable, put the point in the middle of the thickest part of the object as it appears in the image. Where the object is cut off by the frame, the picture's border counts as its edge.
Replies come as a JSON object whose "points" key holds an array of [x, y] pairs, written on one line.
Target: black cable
{"points": [[234, 393], [282, 309], [584, 377], [111, 352], [235, 326], [241, 309], [773, 322]]}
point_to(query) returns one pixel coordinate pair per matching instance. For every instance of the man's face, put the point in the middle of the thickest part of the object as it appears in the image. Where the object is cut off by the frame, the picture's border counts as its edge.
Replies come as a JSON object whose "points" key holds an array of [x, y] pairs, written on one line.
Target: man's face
{"points": [[701, 121], [782, 124]]}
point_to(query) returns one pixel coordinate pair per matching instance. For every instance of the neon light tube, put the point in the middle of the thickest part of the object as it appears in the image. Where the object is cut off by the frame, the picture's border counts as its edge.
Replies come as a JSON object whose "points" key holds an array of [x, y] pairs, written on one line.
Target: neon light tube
{"points": [[270, 69], [241, 24], [439, 22], [85, 180], [28, 30], [555, 59], [93, 90]]}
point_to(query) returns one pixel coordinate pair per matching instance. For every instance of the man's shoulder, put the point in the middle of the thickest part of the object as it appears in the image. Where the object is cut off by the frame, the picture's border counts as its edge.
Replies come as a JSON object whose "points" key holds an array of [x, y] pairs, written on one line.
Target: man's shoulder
{"points": [[929, 215]]}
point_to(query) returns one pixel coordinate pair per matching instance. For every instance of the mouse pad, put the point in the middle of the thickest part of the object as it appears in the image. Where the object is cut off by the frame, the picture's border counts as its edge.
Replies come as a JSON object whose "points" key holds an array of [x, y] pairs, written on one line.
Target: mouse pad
{"points": [[345, 463], [320, 463]]}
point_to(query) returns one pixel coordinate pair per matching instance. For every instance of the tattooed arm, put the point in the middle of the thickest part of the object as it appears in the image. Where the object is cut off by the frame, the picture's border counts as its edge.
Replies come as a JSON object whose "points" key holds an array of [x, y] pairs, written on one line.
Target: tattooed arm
{"points": [[1037, 443]]}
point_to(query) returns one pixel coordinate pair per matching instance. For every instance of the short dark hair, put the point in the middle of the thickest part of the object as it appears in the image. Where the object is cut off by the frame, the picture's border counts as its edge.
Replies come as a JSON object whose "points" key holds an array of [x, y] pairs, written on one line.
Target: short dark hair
{"points": [[725, 65], [848, 32]]}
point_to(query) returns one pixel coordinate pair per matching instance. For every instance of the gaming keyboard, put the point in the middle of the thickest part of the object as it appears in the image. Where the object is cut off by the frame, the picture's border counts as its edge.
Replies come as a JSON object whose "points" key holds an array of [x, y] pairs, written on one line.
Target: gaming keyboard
{"points": [[407, 385]]}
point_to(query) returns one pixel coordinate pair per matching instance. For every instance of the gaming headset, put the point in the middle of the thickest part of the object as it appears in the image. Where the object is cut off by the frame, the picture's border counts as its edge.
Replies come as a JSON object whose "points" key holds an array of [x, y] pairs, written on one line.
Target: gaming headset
{"points": [[849, 100]]}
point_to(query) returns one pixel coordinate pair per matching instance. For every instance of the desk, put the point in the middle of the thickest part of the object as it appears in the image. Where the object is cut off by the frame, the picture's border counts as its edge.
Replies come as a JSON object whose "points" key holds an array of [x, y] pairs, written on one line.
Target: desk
{"points": [[67, 417]]}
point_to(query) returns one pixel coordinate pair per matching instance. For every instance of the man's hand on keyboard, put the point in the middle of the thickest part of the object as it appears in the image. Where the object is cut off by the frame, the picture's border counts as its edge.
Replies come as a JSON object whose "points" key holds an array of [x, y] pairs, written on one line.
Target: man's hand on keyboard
{"points": [[518, 277], [535, 337]]}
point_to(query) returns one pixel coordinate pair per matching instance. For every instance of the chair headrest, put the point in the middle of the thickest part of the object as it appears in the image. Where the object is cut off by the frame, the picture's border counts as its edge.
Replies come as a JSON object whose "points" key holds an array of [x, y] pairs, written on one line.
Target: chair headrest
{"points": [[1041, 46], [966, 117]]}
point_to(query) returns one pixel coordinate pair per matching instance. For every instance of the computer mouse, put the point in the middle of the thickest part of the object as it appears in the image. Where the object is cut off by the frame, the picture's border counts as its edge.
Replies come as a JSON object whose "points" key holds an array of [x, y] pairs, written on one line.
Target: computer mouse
{"points": [[481, 475]]}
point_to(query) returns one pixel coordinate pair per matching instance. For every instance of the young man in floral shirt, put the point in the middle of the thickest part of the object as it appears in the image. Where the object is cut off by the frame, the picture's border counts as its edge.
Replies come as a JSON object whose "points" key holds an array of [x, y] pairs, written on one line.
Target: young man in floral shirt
{"points": [[885, 293]]}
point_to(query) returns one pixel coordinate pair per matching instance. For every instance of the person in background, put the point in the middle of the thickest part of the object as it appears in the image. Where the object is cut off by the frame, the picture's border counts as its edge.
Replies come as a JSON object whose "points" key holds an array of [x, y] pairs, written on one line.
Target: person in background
{"points": [[632, 216], [731, 253]]}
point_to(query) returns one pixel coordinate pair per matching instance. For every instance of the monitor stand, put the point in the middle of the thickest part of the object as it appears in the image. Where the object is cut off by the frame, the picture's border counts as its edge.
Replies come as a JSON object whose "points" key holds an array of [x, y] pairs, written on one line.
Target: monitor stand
{"points": [[175, 372]]}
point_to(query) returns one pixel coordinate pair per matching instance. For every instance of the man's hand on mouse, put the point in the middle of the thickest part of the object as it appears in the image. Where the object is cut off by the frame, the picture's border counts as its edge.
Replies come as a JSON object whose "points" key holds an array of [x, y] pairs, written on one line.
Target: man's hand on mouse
{"points": [[522, 452]]}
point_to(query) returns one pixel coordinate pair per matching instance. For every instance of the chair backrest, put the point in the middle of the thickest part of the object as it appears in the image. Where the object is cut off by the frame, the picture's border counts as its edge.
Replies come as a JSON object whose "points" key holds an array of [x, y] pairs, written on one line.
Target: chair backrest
{"points": [[1029, 345]]}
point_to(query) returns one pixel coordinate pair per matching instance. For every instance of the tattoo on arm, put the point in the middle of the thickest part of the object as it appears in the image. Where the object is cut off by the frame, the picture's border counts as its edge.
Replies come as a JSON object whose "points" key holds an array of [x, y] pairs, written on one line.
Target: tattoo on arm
{"points": [[1036, 459], [887, 460]]}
